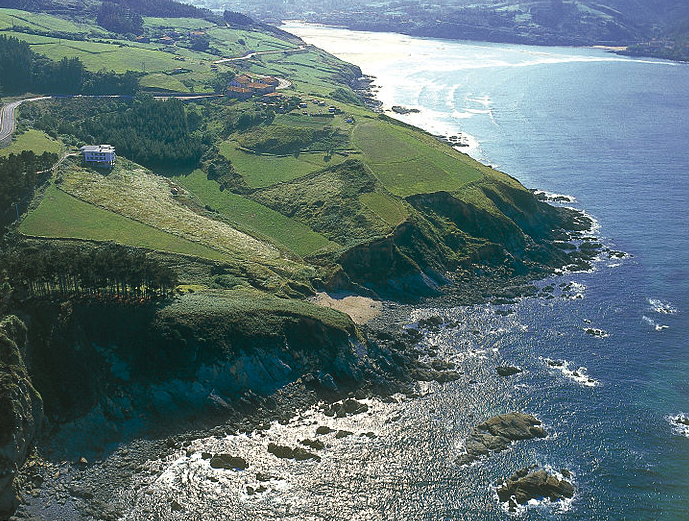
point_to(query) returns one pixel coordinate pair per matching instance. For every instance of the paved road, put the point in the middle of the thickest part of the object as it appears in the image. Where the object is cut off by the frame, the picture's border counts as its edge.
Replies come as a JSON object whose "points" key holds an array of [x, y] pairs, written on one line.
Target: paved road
{"points": [[259, 53], [7, 116]]}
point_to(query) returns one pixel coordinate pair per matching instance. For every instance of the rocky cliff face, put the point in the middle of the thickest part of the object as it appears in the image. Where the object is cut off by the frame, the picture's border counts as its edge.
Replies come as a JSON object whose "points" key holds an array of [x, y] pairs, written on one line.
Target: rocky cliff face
{"points": [[448, 232], [110, 372], [21, 410]]}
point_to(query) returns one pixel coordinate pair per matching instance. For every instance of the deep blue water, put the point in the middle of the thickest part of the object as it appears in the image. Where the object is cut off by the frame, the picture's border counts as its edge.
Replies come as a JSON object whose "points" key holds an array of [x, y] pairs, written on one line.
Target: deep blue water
{"points": [[613, 133], [608, 131]]}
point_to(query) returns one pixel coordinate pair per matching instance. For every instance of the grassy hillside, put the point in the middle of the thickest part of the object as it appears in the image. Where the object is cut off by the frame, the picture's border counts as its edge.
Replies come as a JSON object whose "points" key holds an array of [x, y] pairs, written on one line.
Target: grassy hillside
{"points": [[63, 216], [295, 189]]}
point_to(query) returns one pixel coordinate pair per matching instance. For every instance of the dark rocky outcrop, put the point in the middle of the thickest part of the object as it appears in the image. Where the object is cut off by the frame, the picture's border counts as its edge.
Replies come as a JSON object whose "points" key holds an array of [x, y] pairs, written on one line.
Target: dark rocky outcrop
{"points": [[228, 461], [498, 433], [527, 484], [296, 453], [507, 370], [21, 410]]}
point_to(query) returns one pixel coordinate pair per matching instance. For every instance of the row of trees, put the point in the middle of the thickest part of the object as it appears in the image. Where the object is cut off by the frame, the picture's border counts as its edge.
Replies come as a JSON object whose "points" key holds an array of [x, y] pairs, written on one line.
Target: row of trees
{"points": [[22, 70], [18, 175], [66, 270]]}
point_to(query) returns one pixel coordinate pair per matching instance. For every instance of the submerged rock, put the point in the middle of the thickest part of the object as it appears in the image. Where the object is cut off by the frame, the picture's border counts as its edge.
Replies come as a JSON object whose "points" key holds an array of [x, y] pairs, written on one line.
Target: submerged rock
{"points": [[508, 370], [527, 484], [498, 432]]}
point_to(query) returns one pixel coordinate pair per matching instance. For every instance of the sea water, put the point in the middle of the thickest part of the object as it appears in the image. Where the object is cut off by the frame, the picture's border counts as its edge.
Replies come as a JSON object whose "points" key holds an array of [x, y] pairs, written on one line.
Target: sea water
{"points": [[605, 362]]}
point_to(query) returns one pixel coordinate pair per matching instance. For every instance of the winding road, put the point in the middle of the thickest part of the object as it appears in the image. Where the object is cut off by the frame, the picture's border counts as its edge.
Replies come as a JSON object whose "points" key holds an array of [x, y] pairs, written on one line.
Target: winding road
{"points": [[7, 116]]}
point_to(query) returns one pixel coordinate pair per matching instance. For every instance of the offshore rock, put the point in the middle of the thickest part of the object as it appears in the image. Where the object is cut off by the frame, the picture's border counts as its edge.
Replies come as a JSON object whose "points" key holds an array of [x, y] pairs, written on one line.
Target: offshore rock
{"points": [[498, 433], [297, 453], [507, 370], [526, 485], [21, 411], [227, 461]]}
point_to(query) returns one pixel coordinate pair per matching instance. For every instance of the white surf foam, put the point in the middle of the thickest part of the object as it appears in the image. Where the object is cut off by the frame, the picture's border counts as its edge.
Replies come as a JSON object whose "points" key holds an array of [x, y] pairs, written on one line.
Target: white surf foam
{"points": [[679, 423], [655, 325], [659, 306], [579, 375]]}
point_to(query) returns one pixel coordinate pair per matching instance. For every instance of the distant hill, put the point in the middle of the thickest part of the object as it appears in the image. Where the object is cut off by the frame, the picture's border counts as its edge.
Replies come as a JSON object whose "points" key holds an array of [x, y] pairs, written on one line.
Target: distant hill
{"points": [[564, 22]]}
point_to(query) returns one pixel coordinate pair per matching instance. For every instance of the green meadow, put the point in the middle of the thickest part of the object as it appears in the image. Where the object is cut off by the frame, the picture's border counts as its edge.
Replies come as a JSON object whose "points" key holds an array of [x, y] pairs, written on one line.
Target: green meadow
{"points": [[60, 215], [34, 140], [254, 217], [408, 163]]}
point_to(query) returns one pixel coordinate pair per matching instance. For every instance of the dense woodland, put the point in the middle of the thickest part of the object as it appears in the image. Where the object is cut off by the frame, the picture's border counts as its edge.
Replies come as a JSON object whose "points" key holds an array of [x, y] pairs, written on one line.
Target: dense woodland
{"points": [[119, 19], [150, 132], [22, 70], [18, 176], [64, 270]]}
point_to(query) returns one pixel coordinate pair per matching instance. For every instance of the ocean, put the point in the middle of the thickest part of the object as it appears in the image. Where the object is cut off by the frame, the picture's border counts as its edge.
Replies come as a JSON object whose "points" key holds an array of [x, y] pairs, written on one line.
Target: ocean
{"points": [[611, 133], [605, 361]]}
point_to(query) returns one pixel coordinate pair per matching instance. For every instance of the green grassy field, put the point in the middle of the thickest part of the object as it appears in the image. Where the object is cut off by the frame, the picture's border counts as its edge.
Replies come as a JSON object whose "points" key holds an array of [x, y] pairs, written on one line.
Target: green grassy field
{"points": [[409, 164], [10, 18], [62, 216], [33, 140], [180, 24], [254, 217], [391, 210], [260, 171]]}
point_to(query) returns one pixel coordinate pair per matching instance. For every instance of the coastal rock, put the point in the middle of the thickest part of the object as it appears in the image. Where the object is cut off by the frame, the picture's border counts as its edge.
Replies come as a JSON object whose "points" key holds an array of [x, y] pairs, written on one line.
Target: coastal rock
{"points": [[21, 411], [324, 429], [343, 434], [498, 432], [349, 406], [527, 484], [398, 109], [314, 444], [227, 461], [507, 370], [297, 453]]}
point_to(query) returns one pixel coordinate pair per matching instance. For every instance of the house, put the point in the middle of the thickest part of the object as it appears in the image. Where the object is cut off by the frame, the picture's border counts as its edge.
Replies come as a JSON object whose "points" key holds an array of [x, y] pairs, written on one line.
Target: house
{"points": [[143, 39], [273, 97], [268, 80], [166, 40], [197, 33], [239, 92], [240, 81], [260, 88], [99, 155]]}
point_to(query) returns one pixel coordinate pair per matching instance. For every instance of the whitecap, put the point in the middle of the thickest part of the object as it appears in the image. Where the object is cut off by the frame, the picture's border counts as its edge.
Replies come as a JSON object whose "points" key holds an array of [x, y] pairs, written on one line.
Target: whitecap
{"points": [[659, 306], [579, 375], [560, 506], [655, 325], [554, 197], [679, 423]]}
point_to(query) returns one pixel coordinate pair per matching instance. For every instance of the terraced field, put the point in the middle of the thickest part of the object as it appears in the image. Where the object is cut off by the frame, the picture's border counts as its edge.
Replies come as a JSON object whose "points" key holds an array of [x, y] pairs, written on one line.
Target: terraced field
{"points": [[260, 171]]}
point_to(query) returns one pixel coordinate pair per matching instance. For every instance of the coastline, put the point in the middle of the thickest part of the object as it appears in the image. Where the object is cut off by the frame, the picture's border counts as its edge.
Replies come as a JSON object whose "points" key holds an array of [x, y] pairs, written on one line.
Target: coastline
{"points": [[497, 286]]}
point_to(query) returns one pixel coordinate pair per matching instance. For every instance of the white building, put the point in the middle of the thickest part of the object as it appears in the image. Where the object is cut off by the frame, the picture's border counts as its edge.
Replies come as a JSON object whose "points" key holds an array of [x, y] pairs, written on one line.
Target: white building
{"points": [[100, 155]]}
